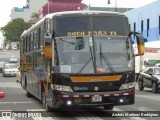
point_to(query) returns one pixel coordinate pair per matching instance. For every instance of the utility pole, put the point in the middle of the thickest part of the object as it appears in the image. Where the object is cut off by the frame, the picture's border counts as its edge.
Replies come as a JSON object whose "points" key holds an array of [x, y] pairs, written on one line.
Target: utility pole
{"points": [[109, 2], [48, 6], [115, 4]]}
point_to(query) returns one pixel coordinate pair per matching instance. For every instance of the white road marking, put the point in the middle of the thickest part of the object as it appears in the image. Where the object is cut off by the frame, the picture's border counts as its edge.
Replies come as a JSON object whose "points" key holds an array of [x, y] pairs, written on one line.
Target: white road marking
{"points": [[151, 97], [7, 118], [36, 110], [5, 110], [10, 85], [143, 109], [17, 102], [43, 118]]}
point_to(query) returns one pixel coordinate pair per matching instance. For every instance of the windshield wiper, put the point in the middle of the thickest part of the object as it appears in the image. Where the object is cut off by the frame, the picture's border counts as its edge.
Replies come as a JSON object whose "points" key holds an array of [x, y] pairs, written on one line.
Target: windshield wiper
{"points": [[84, 66], [106, 60]]}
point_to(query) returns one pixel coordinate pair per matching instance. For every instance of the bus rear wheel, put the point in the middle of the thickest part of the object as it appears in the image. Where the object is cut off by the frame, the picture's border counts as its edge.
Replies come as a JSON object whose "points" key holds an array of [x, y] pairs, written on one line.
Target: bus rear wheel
{"points": [[44, 103], [28, 94], [48, 108]]}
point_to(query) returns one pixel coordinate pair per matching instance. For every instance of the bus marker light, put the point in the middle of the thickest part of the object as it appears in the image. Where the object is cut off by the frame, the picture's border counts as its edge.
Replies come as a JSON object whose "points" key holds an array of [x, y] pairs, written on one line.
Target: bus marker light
{"points": [[69, 102], [121, 100]]}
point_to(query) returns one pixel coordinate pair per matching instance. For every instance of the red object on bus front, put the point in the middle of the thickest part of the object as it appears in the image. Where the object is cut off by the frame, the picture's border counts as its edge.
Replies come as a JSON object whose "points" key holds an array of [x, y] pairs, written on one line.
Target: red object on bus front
{"points": [[2, 95], [100, 70]]}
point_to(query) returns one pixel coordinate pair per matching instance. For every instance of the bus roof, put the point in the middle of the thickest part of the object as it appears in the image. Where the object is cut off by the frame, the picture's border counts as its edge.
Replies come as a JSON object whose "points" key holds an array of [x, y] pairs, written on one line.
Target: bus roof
{"points": [[70, 13]]}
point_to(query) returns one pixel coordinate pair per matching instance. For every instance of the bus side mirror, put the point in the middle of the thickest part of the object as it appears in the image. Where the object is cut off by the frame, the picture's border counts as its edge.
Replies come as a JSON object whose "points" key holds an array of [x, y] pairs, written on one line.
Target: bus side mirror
{"points": [[140, 43], [47, 46]]}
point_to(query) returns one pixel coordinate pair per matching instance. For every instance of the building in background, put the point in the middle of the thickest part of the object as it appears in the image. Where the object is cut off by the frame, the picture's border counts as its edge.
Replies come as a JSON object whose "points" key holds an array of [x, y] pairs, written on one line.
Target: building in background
{"points": [[112, 9], [61, 5], [146, 20], [26, 11], [44, 7]]}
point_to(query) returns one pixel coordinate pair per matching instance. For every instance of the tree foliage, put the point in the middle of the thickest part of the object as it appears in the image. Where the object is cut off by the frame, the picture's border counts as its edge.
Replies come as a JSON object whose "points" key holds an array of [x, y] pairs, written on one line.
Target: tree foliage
{"points": [[34, 15], [14, 29]]}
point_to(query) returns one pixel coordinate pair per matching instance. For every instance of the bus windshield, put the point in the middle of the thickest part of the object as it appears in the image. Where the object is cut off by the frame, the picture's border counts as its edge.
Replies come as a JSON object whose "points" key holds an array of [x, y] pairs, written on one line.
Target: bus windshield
{"points": [[83, 43], [80, 26]]}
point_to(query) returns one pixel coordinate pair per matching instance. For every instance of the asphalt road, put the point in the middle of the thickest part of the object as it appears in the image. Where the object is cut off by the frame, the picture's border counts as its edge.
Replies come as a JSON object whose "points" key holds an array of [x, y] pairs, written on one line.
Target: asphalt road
{"points": [[17, 101]]}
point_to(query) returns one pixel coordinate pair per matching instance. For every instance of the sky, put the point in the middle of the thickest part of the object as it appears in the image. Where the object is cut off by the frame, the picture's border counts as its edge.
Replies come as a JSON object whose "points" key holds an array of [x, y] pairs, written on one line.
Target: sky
{"points": [[7, 5]]}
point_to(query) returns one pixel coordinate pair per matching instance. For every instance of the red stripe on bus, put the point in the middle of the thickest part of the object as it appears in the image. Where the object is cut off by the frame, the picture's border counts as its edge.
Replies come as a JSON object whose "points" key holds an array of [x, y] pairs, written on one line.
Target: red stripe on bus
{"points": [[121, 94], [60, 95], [81, 96], [91, 95], [71, 96], [111, 94], [130, 93], [101, 95]]}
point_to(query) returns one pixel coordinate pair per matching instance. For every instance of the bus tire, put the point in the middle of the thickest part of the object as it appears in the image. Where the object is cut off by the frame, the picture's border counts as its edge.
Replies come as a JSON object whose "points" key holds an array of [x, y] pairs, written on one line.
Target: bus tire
{"points": [[43, 99], [28, 94], [48, 108], [108, 107]]}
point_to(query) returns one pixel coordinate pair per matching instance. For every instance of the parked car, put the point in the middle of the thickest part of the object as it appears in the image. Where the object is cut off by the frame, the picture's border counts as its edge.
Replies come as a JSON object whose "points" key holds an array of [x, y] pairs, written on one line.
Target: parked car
{"points": [[14, 48], [150, 78], [2, 65], [13, 59], [10, 69]]}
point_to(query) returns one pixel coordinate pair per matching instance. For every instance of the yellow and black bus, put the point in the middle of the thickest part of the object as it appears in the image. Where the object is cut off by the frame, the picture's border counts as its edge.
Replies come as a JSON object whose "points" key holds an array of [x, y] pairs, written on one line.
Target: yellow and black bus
{"points": [[80, 58]]}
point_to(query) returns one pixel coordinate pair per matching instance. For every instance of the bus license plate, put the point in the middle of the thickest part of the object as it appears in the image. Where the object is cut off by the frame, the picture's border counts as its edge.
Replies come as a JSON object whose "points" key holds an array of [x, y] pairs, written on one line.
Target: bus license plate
{"points": [[96, 98]]}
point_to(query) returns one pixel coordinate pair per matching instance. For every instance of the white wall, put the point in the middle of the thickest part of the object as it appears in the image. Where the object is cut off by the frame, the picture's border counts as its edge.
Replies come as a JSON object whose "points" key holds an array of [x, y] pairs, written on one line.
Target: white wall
{"points": [[151, 12]]}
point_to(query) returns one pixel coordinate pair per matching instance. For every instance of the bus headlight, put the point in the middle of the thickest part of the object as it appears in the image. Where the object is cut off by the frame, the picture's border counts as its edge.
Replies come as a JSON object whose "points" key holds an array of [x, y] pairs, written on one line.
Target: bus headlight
{"points": [[62, 88], [127, 86]]}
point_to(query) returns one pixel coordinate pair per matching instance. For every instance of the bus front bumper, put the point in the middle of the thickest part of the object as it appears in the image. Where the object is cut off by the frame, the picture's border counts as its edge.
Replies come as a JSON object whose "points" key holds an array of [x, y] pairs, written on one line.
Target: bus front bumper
{"points": [[126, 97]]}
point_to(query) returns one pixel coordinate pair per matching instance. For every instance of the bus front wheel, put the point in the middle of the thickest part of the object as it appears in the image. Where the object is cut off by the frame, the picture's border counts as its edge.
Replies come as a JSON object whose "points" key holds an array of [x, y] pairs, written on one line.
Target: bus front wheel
{"points": [[108, 107]]}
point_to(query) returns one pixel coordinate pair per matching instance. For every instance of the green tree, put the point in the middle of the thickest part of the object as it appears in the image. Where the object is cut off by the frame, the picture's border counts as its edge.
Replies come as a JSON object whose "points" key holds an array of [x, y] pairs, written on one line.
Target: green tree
{"points": [[34, 15], [14, 29]]}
